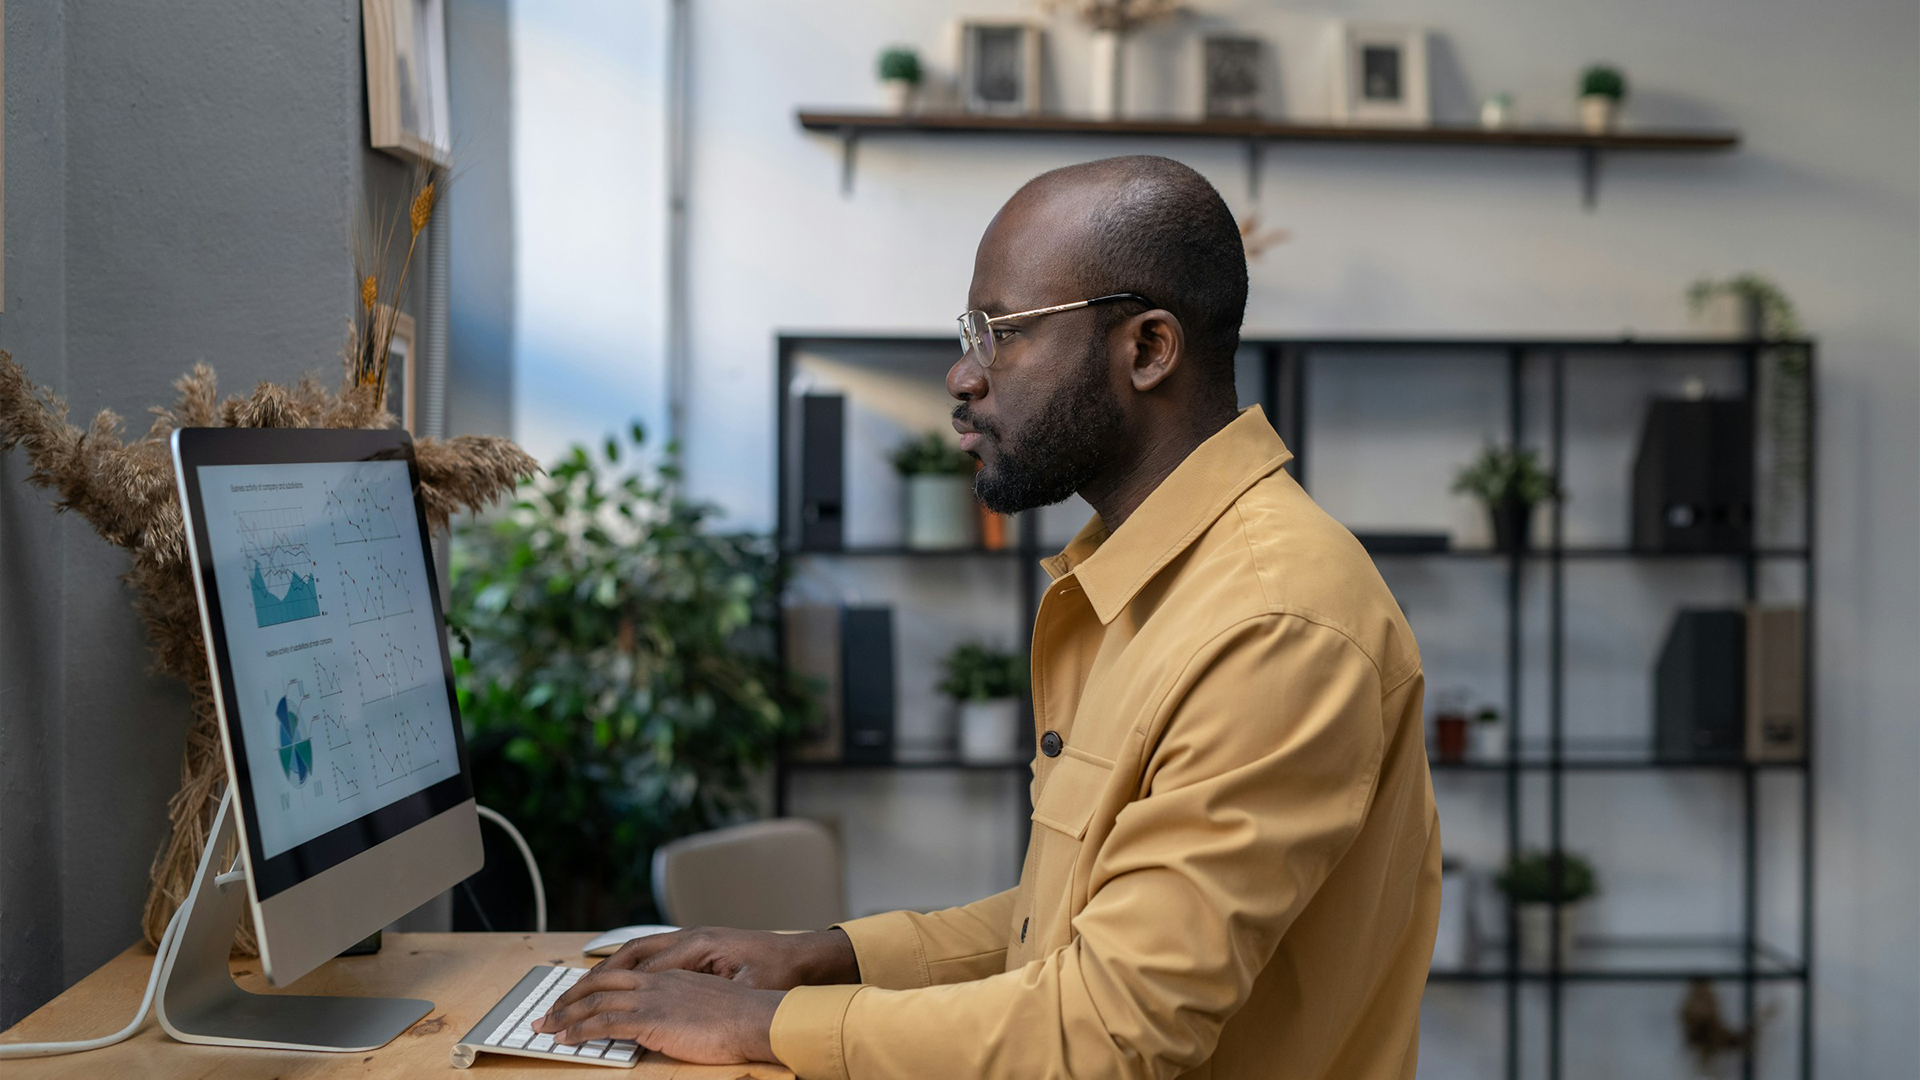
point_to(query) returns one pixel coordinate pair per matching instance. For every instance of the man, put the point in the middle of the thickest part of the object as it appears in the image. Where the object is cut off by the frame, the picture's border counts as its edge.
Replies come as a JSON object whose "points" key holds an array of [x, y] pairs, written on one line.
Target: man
{"points": [[1234, 868]]}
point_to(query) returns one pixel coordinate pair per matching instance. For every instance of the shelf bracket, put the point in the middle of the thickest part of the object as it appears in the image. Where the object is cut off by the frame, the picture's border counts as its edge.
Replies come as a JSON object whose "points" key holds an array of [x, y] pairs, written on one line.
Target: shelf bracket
{"points": [[849, 142], [1589, 178], [1253, 170]]}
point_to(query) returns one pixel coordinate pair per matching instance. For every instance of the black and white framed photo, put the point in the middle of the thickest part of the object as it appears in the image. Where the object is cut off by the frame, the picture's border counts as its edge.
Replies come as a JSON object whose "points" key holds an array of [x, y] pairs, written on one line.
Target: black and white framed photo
{"points": [[1000, 67], [1230, 75], [1380, 74]]}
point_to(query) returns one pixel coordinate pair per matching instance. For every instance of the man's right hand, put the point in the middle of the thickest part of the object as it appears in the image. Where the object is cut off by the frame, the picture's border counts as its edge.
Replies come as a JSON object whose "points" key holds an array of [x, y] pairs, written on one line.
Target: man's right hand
{"points": [[757, 958]]}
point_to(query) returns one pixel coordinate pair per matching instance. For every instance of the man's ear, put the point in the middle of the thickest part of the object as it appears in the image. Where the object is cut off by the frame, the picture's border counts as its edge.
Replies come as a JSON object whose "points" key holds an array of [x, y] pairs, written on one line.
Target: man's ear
{"points": [[1158, 345]]}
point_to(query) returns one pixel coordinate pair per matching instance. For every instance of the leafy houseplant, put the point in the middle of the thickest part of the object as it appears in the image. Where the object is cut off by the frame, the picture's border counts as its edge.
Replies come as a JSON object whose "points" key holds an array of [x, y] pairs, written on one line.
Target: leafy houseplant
{"points": [[1764, 313], [616, 673], [899, 70], [1536, 883], [1511, 483], [987, 684], [939, 500], [1602, 88]]}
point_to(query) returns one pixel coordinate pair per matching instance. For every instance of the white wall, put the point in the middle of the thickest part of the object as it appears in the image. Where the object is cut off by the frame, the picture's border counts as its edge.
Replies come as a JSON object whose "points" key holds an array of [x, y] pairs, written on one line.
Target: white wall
{"points": [[1822, 196]]}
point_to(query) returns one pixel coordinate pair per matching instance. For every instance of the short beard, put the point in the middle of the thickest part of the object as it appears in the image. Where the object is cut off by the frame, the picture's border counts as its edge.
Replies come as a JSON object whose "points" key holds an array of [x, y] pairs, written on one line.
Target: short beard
{"points": [[1070, 442]]}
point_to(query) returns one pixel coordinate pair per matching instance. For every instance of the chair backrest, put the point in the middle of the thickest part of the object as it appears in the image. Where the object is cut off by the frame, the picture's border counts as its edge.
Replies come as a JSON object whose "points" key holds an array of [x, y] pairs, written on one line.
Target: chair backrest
{"points": [[783, 874]]}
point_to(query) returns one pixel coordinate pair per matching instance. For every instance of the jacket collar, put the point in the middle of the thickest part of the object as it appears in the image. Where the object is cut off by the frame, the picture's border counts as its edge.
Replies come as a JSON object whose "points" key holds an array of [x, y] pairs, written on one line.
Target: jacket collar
{"points": [[1111, 568]]}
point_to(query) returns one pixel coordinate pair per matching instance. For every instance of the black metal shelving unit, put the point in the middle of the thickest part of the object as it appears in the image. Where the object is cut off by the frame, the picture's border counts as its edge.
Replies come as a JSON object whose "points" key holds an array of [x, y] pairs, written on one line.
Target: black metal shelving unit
{"points": [[1745, 958]]}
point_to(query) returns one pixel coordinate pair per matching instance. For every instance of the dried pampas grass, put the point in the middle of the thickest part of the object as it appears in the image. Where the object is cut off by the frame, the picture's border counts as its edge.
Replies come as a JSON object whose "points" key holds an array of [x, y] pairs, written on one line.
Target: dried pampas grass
{"points": [[126, 490]]}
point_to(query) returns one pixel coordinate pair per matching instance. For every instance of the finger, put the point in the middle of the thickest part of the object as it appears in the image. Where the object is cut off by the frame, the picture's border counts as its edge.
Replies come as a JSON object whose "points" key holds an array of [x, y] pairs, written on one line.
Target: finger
{"points": [[639, 949], [591, 983], [613, 1024], [561, 1017], [689, 955]]}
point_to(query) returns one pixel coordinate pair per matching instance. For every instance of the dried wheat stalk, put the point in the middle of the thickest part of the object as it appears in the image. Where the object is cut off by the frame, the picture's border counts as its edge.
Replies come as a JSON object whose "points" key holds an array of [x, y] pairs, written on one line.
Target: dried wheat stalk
{"points": [[126, 490]]}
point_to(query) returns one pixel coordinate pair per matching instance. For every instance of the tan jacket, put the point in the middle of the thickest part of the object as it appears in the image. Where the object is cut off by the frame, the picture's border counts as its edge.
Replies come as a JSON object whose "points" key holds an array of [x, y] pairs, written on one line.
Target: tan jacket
{"points": [[1234, 866]]}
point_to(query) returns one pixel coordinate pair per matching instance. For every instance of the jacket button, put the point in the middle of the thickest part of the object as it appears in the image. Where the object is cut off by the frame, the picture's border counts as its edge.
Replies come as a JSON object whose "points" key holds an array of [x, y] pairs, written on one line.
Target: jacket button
{"points": [[1050, 744]]}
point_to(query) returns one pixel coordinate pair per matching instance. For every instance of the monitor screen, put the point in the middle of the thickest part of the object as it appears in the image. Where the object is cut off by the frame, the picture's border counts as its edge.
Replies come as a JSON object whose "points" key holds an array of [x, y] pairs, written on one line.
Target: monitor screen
{"points": [[332, 642]]}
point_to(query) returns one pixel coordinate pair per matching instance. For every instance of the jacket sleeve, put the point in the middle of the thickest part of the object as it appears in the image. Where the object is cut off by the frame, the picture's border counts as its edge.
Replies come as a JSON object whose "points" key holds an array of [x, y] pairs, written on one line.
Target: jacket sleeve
{"points": [[906, 950], [1259, 765]]}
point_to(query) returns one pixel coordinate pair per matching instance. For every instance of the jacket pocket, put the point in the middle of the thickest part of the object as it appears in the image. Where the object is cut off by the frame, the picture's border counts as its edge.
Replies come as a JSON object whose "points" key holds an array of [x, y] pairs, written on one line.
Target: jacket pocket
{"points": [[1072, 791]]}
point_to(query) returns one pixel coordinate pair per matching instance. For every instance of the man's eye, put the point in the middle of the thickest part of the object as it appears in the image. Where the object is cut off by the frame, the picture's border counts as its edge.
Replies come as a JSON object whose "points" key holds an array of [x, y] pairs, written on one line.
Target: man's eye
{"points": [[1002, 333]]}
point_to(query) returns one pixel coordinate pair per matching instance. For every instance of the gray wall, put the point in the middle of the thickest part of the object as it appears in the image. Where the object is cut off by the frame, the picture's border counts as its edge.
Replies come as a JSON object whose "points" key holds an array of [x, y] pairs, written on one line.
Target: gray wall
{"points": [[181, 181]]}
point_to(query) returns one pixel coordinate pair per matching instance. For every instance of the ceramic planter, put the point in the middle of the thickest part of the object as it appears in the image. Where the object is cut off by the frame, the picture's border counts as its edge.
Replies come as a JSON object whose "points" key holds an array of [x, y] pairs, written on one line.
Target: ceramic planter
{"points": [[1488, 741], [940, 513], [1598, 113], [1536, 933], [1512, 525], [902, 95], [990, 731]]}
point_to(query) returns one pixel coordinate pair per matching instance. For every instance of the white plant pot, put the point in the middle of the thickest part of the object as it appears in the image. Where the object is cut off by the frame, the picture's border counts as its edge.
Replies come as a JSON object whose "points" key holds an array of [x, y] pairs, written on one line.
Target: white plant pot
{"points": [[1536, 933], [1598, 113], [902, 95], [1487, 740], [990, 731], [1104, 63], [940, 512]]}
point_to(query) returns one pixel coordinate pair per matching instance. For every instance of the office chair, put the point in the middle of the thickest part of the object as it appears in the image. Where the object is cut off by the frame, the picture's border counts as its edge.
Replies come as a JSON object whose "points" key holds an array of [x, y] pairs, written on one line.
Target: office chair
{"points": [[784, 874]]}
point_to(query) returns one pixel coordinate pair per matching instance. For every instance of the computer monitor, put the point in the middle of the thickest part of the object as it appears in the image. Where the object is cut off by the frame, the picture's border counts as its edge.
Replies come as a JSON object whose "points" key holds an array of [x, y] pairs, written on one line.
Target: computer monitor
{"points": [[321, 609]]}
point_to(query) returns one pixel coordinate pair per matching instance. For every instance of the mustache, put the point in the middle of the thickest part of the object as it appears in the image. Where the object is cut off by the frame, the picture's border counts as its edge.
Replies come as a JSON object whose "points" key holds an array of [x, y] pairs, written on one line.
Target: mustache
{"points": [[983, 426]]}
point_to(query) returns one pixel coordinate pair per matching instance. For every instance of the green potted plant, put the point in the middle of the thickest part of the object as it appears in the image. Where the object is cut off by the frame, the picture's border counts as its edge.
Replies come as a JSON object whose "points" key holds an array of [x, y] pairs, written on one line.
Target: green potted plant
{"points": [[899, 70], [939, 503], [1510, 483], [616, 674], [987, 685], [1602, 88], [1489, 739], [1535, 883], [1754, 307]]}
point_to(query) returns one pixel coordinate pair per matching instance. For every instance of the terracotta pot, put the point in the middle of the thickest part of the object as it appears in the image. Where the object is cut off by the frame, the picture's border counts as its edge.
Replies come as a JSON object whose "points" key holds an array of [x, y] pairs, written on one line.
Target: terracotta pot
{"points": [[1450, 738]]}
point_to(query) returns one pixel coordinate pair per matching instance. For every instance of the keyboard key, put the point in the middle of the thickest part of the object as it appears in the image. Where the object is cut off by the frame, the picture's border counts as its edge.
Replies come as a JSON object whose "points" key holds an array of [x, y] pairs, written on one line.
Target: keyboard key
{"points": [[518, 1040], [541, 1042], [621, 1052]]}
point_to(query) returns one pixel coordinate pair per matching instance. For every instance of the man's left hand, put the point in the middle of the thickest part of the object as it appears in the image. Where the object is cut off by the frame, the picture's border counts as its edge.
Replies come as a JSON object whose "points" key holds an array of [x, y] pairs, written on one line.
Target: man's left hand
{"points": [[697, 1018]]}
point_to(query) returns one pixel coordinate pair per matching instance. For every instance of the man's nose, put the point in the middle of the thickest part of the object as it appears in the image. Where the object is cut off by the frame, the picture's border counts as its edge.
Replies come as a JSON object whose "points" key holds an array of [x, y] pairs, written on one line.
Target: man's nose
{"points": [[966, 380]]}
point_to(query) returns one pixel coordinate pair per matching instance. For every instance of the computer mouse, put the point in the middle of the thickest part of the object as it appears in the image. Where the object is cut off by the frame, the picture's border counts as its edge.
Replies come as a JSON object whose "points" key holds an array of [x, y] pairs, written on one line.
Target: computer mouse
{"points": [[609, 943]]}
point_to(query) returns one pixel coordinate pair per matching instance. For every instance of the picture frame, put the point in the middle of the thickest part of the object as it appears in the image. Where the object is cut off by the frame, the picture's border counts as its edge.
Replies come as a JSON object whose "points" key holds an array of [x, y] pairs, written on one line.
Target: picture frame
{"points": [[401, 365], [406, 56], [999, 65], [1380, 74], [1230, 83]]}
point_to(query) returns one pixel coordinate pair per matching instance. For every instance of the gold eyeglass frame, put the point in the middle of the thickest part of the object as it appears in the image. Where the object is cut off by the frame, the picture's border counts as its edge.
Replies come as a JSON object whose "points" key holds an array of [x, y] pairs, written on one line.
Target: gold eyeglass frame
{"points": [[981, 346]]}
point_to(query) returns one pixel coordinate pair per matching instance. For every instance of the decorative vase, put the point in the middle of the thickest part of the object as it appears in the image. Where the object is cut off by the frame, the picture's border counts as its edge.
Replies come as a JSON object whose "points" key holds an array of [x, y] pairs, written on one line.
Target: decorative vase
{"points": [[902, 95], [1105, 63], [1598, 112], [1512, 525], [1488, 741], [1496, 111], [990, 731], [1536, 932], [940, 513], [1450, 738]]}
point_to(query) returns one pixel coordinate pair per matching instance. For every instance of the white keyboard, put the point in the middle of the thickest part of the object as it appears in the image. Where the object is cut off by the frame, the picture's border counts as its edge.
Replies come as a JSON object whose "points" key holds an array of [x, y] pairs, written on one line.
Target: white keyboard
{"points": [[508, 1027]]}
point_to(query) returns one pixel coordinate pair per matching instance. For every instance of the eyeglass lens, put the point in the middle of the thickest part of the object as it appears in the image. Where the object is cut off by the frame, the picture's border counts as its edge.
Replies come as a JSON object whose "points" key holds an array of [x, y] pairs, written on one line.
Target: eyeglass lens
{"points": [[977, 337]]}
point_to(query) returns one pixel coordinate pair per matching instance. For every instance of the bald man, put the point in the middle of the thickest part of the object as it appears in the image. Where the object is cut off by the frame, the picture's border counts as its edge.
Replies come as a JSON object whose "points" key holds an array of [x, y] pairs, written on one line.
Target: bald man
{"points": [[1234, 866]]}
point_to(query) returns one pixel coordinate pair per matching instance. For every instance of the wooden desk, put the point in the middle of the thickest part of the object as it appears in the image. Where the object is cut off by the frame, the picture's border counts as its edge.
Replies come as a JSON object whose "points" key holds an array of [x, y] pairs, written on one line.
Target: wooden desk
{"points": [[462, 974]]}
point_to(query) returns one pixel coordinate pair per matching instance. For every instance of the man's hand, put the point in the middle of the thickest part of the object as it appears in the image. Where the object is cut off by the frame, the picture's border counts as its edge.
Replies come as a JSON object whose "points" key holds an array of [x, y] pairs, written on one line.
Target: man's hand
{"points": [[696, 1018], [755, 958]]}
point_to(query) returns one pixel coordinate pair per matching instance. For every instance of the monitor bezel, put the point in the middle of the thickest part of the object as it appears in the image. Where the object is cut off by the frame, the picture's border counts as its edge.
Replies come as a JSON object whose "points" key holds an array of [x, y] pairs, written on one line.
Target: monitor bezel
{"points": [[195, 448]]}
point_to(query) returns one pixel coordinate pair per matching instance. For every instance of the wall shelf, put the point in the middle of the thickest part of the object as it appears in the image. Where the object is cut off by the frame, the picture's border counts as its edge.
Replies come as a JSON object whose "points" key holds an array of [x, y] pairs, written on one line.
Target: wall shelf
{"points": [[851, 127]]}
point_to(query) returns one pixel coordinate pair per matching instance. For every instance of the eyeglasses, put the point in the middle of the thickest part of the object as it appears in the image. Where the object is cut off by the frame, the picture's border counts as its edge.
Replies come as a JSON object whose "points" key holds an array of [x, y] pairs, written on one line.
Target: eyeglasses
{"points": [[976, 327]]}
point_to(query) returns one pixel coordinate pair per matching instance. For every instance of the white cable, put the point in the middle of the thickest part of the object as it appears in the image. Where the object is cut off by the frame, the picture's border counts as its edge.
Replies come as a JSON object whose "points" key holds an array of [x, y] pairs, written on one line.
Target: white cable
{"points": [[533, 868]]}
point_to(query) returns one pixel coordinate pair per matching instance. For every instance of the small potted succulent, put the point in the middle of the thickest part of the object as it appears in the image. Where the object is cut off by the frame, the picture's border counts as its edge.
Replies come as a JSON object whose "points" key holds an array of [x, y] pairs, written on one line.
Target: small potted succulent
{"points": [[939, 500], [1489, 739], [1511, 483], [1529, 882], [899, 70], [1602, 88], [987, 685]]}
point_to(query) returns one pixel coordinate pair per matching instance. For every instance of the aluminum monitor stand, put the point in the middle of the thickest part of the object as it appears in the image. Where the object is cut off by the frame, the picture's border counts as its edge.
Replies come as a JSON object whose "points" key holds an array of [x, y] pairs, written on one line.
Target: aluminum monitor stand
{"points": [[200, 1003]]}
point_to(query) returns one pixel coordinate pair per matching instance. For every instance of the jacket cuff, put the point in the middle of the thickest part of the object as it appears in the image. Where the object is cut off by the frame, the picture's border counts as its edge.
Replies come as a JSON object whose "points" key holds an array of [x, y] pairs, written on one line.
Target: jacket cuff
{"points": [[889, 950], [807, 1031]]}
